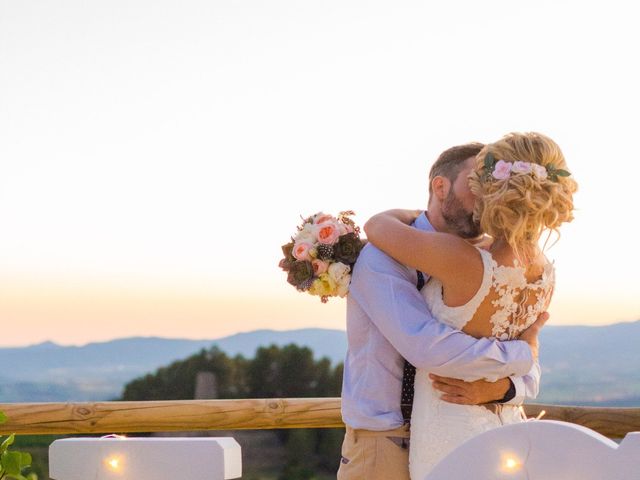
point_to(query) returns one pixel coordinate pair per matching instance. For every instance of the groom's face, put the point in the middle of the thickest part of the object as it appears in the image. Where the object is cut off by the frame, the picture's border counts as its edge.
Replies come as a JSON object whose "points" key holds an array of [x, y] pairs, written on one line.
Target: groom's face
{"points": [[457, 207]]}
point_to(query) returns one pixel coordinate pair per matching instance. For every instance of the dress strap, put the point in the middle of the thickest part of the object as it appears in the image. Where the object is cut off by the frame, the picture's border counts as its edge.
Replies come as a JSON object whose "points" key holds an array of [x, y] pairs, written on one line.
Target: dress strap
{"points": [[488, 264]]}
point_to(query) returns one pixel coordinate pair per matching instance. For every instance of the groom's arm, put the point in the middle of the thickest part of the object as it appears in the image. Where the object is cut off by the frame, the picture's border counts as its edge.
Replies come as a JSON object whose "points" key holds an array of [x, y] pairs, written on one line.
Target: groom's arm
{"points": [[511, 390], [386, 292]]}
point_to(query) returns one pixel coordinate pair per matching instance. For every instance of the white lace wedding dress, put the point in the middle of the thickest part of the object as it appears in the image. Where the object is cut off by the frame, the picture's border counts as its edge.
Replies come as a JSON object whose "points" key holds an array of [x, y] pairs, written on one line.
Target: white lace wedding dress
{"points": [[437, 427]]}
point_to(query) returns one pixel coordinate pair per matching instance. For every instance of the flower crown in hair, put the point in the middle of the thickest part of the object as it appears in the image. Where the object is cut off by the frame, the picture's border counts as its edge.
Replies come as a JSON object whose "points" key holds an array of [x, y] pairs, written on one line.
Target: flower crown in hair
{"points": [[501, 170]]}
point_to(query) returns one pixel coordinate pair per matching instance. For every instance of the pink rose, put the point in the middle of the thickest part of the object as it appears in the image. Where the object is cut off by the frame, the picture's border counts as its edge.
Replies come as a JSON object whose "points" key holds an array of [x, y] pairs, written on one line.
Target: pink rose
{"points": [[502, 170], [327, 233], [322, 218], [539, 171], [521, 167], [344, 228], [319, 267], [301, 251]]}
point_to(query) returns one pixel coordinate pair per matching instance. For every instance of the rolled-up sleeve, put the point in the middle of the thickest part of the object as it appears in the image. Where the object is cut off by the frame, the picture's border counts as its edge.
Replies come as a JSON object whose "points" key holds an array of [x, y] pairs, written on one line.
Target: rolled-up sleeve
{"points": [[384, 290]]}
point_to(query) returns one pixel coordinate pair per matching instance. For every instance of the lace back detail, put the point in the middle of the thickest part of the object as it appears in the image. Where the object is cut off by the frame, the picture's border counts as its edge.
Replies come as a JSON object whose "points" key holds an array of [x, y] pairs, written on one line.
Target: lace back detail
{"points": [[515, 309]]}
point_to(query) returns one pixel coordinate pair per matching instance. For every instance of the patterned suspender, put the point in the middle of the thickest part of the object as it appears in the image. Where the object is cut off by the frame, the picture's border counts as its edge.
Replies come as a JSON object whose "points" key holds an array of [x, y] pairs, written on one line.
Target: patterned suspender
{"points": [[408, 376]]}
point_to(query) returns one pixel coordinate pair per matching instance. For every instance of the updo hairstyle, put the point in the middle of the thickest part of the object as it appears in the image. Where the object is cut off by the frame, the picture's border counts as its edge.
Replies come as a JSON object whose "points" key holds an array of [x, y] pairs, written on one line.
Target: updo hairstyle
{"points": [[520, 207]]}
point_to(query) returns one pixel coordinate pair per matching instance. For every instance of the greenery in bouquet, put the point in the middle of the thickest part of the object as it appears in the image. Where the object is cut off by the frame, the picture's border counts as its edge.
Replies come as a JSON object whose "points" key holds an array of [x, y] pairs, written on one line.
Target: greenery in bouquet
{"points": [[13, 463], [320, 257]]}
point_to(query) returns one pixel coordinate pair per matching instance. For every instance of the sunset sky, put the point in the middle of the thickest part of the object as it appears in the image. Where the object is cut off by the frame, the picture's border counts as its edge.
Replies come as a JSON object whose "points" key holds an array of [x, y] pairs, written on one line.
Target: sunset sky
{"points": [[154, 155]]}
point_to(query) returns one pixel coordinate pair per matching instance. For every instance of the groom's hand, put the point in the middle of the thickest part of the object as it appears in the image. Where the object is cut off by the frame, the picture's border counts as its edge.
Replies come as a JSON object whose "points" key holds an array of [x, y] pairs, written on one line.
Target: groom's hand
{"points": [[470, 393]]}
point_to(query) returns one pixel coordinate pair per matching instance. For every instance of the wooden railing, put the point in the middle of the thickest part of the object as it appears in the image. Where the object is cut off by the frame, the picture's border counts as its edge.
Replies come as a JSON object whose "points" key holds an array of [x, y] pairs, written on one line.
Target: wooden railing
{"points": [[258, 414]]}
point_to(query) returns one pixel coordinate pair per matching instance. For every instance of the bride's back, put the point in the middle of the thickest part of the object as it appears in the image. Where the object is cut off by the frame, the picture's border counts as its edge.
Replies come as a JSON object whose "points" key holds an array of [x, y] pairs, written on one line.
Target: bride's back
{"points": [[516, 296], [507, 300]]}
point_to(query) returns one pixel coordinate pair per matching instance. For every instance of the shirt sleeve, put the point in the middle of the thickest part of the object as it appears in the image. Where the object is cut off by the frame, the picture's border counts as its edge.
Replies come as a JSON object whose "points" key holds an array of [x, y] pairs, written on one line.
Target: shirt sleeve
{"points": [[526, 386], [386, 292]]}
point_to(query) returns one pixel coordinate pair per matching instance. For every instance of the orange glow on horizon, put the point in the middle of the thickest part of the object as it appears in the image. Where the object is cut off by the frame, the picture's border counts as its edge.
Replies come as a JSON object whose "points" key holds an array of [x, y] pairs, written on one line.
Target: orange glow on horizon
{"points": [[78, 313]]}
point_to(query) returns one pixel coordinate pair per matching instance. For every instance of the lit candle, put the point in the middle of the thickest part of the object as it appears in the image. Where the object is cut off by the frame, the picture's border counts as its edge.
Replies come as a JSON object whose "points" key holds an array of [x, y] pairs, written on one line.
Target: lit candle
{"points": [[510, 463], [113, 463]]}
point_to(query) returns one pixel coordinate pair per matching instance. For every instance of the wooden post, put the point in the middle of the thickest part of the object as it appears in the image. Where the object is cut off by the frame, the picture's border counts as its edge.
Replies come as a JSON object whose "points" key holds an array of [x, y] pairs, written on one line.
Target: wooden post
{"points": [[206, 386]]}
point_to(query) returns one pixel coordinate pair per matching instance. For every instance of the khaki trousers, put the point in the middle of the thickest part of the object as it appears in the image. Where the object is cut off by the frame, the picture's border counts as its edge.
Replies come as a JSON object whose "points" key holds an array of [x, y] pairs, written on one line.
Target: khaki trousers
{"points": [[369, 455]]}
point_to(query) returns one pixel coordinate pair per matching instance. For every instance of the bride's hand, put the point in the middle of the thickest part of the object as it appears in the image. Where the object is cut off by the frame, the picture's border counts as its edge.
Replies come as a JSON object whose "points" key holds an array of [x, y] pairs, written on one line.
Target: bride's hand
{"points": [[380, 221], [530, 335], [405, 216], [484, 242]]}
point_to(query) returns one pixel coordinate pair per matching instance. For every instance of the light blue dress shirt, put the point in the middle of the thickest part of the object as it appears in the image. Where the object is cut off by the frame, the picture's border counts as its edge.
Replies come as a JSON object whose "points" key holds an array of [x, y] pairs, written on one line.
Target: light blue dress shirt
{"points": [[388, 320]]}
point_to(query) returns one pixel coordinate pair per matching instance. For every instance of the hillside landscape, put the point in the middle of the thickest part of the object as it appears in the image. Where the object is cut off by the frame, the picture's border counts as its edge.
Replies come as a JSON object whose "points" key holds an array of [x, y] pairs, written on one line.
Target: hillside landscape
{"points": [[581, 365]]}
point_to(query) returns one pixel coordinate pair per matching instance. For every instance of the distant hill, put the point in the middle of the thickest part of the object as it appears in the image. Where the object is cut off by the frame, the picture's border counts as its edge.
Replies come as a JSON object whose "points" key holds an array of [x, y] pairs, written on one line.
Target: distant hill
{"points": [[585, 365], [591, 365], [98, 371]]}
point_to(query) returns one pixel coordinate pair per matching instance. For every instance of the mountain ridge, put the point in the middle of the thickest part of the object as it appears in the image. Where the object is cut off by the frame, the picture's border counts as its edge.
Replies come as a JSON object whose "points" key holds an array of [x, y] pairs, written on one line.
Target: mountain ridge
{"points": [[588, 363]]}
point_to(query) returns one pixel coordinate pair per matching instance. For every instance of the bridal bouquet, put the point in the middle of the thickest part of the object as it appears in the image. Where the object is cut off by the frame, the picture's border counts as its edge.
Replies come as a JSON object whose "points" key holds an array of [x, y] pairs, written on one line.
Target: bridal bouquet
{"points": [[320, 257]]}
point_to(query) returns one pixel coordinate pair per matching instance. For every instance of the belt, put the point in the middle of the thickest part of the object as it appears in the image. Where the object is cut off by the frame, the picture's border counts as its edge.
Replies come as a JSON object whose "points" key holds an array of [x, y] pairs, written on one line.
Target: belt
{"points": [[401, 432]]}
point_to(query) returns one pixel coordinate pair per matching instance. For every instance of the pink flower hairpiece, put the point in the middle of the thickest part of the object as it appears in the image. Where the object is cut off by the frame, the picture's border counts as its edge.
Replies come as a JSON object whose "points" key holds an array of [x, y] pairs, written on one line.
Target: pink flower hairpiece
{"points": [[502, 170]]}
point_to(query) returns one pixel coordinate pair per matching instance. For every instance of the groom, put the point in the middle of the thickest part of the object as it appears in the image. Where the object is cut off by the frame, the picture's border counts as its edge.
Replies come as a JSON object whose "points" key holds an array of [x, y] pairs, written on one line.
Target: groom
{"points": [[388, 321]]}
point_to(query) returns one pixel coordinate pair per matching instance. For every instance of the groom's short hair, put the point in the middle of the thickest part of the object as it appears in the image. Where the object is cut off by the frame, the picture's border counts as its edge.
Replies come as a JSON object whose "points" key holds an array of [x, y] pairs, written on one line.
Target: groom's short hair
{"points": [[449, 163]]}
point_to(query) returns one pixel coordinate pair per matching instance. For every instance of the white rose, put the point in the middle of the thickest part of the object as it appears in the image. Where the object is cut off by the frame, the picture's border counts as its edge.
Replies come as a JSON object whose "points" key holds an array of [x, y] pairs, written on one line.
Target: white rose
{"points": [[343, 286], [539, 171], [342, 290], [307, 234], [338, 271]]}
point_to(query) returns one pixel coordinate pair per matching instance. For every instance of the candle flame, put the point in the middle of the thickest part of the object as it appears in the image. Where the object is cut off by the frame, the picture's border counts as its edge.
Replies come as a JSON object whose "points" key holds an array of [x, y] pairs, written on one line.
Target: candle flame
{"points": [[113, 463], [510, 464]]}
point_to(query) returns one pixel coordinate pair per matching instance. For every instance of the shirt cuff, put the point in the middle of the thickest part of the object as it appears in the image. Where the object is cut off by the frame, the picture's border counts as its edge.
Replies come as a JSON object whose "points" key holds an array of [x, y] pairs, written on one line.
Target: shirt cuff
{"points": [[516, 393]]}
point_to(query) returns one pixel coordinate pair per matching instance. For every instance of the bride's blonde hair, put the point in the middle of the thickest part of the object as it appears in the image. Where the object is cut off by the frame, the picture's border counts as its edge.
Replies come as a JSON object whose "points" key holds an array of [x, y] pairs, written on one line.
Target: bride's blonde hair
{"points": [[517, 205]]}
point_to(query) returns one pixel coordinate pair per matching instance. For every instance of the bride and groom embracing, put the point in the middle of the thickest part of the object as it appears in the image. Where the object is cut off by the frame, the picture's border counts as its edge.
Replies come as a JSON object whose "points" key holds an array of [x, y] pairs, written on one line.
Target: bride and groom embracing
{"points": [[430, 291]]}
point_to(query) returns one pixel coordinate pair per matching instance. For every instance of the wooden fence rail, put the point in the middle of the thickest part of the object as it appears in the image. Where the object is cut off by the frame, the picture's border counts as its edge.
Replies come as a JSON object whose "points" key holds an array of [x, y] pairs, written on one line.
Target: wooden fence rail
{"points": [[257, 414]]}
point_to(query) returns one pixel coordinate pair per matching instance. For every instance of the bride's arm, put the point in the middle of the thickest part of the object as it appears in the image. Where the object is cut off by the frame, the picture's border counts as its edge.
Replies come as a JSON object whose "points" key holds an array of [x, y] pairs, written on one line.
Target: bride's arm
{"points": [[441, 255]]}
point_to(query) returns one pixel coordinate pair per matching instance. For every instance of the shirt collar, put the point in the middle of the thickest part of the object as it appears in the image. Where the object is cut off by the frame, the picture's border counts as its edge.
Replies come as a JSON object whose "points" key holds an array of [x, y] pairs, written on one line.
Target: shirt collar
{"points": [[423, 223]]}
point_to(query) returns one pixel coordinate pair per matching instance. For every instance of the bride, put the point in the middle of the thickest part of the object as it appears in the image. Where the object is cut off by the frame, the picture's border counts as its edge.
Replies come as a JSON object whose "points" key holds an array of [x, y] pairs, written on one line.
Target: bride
{"points": [[522, 189]]}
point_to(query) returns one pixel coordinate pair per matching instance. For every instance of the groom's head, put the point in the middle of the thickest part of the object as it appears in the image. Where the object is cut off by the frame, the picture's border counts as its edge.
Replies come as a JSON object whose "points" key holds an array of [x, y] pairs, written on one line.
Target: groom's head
{"points": [[450, 199]]}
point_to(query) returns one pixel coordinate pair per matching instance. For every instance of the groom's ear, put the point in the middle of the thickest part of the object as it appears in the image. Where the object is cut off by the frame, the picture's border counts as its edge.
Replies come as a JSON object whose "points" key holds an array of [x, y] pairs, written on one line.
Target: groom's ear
{"points": [[440, 187]]}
